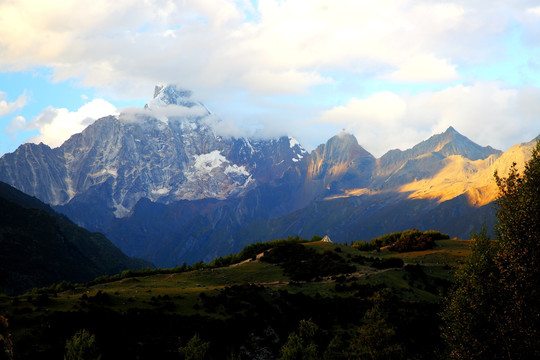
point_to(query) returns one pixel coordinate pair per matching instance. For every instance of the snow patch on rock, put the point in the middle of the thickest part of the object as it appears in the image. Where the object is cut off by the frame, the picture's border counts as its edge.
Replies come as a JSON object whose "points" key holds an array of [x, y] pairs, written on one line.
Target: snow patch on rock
{"points": [[235, 169], [160, 191], [293, 142], [208, 162], [121, 211], [106, 171]]}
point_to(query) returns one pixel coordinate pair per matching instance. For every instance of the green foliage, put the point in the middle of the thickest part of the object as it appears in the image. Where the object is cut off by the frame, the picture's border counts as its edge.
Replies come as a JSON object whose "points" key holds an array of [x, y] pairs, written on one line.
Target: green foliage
{"points": [[386, 263], [376, 339], [252, 250], [336, 349], [471, 315], [518, 257], [300, 345], [494, 310], [82, 346], [55, 288], [436, 235], [402, 241], [412, 243], [195, 349], [302, 263], [362, 245], [148, 272], [482, 235]]}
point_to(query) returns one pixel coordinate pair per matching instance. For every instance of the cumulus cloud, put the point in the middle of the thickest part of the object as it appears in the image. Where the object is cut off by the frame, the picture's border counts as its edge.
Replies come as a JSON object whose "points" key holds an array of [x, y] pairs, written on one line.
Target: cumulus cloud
{"points": [[16, 124], [9, 107], [56, 125], [226, 44], [281, 82], [486, 112], [380, 107], [422, 68]]}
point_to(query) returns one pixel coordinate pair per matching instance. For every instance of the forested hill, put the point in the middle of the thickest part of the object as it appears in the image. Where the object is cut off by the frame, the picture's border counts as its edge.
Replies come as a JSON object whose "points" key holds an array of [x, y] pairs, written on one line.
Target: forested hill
{"points": [[41, 247], [253, 305]]}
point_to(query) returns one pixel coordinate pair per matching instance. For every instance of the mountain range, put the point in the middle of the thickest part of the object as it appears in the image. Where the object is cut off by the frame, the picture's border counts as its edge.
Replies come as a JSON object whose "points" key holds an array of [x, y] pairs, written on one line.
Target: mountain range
{"points": [[163, 185]]}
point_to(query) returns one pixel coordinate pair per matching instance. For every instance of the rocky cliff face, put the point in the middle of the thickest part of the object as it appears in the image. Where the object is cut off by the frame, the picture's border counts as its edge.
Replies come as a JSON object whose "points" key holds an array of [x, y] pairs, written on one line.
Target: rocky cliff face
{"points": [[37, 170], [164, 153]]}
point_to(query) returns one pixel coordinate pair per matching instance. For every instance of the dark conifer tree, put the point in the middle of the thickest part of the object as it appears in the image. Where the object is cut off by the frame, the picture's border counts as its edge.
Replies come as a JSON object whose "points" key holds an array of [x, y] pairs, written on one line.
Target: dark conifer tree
{"points": [[493, 311], [518, 258]]}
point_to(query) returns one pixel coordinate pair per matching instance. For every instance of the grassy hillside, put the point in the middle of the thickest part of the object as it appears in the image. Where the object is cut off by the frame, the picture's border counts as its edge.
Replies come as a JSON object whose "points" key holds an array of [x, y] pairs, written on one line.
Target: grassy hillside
{"points": [[249, 308]]}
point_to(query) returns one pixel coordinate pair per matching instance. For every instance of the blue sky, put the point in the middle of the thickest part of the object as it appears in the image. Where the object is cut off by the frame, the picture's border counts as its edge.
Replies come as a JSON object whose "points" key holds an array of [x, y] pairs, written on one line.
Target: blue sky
{"points": [[392, 72]]}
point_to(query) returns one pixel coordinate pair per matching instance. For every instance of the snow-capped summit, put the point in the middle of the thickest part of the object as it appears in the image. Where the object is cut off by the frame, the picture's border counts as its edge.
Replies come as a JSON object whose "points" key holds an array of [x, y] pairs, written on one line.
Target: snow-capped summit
{"points": [[165, 153], [165, 95]]}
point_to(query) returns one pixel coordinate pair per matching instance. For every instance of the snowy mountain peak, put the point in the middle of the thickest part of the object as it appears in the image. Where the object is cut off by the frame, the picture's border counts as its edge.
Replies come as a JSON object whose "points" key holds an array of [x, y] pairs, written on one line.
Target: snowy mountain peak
{"points": [[165, 95], [296, 146], [293, 142]]}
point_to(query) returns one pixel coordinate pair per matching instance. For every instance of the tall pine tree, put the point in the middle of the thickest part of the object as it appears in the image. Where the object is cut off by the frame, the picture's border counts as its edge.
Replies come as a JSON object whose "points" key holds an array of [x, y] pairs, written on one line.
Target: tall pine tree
{"points": [[518, 257]]}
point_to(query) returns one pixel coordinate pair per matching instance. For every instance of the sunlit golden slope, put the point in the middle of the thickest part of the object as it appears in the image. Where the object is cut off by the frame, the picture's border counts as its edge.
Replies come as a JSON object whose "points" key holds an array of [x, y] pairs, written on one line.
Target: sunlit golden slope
{"points": [[473, 178], [434, 176], [352, 192]]}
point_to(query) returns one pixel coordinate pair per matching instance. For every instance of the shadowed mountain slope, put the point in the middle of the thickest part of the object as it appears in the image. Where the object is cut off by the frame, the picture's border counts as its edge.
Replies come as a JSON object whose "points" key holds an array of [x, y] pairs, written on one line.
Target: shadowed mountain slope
{"points": [[41, 247]]}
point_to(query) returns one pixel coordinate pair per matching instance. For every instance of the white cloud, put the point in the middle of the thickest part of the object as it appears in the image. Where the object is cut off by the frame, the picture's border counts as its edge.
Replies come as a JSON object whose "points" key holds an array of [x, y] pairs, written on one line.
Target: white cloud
{"points": [[286, 82], [169, 33], [9, 107], [534, 11], [382, 107], [56, 125], [17, 123], [226, 44], [488, 113], [424, 68]]}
